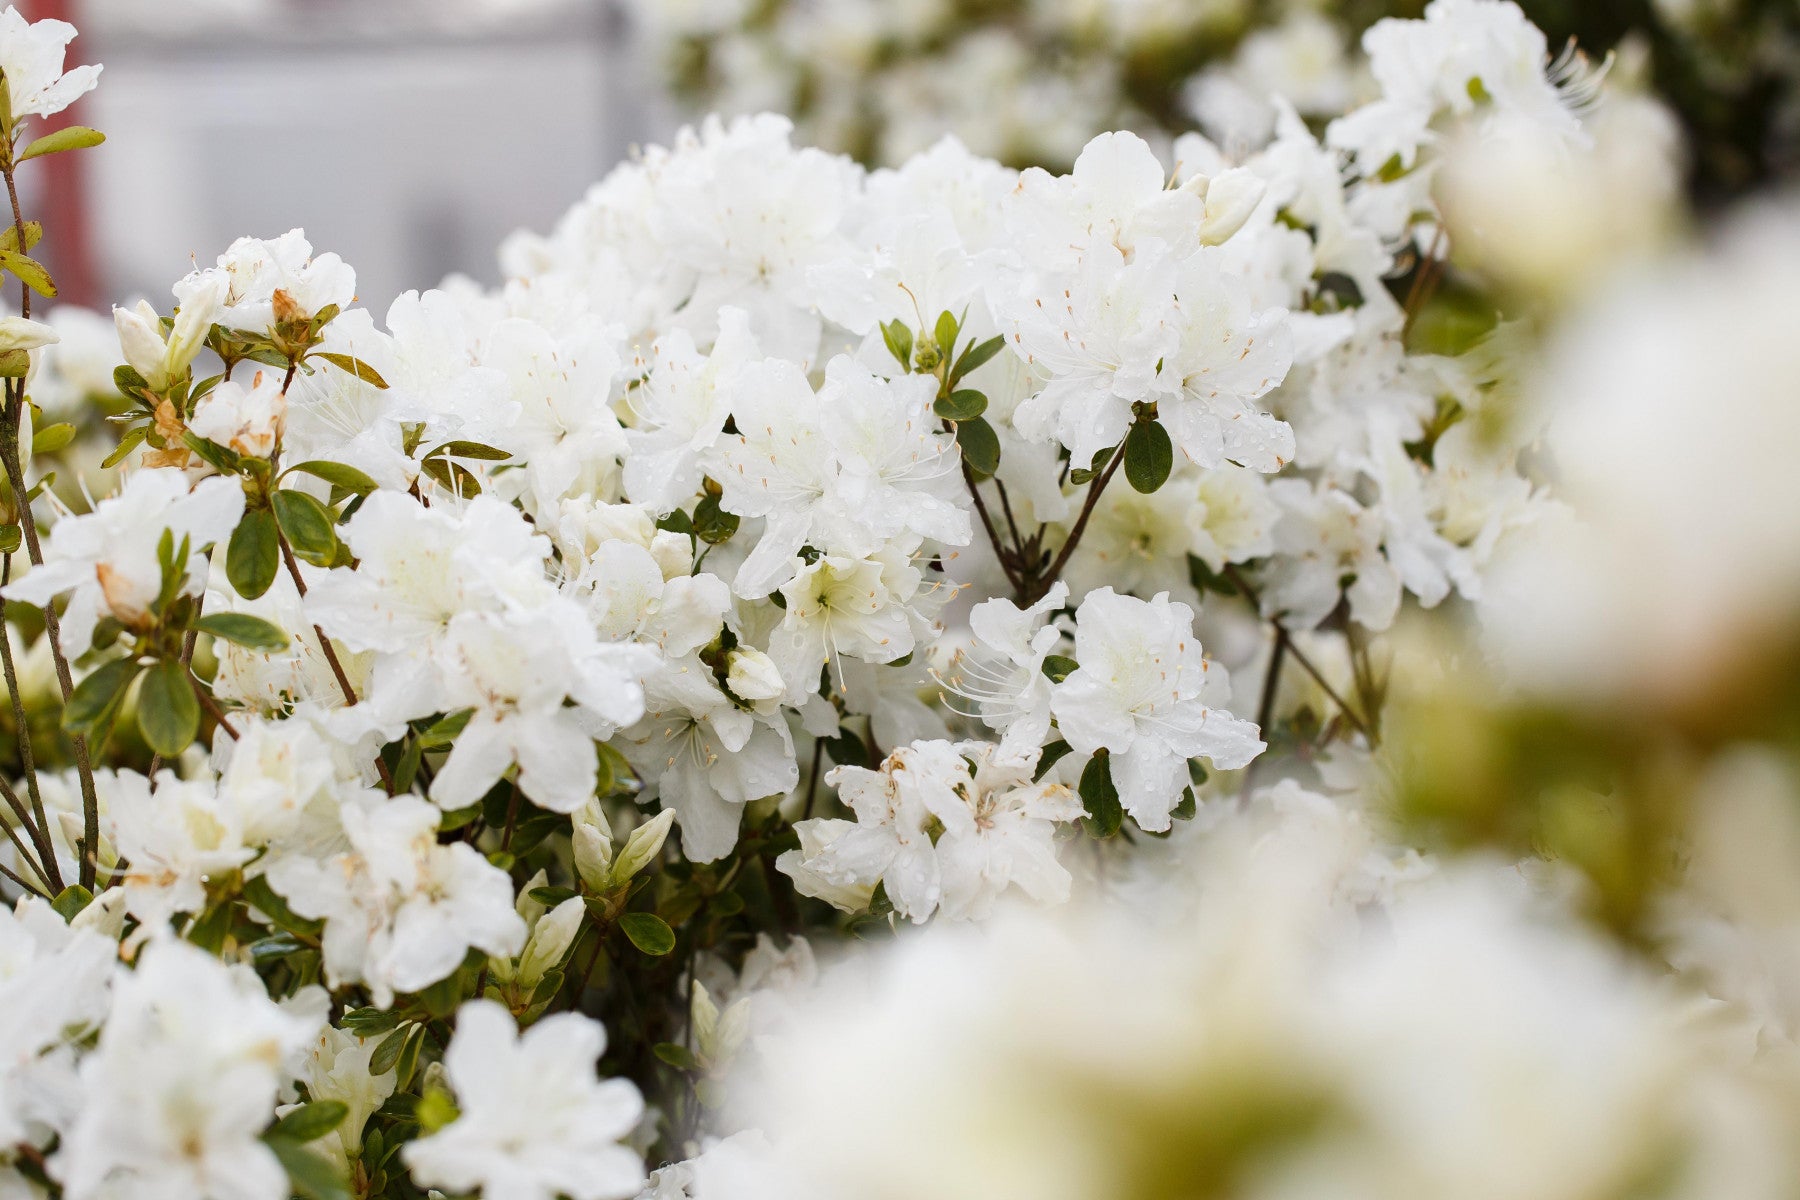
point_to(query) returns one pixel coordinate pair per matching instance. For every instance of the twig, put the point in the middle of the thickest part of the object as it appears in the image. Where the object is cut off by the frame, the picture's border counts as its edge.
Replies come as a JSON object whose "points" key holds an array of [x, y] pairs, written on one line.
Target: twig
{"points": [[1350, 714], [39, 828], [1041, 583]]}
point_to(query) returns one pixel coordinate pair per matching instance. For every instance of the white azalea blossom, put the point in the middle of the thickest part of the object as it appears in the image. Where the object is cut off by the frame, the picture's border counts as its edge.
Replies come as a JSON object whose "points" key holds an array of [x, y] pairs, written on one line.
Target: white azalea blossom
{"points": [[722, 713], [535, 1123]]}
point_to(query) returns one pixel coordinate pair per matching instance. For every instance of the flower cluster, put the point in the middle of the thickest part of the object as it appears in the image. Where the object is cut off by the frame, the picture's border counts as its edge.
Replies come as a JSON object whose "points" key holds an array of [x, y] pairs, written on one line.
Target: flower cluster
{"points": [[472, 723]]}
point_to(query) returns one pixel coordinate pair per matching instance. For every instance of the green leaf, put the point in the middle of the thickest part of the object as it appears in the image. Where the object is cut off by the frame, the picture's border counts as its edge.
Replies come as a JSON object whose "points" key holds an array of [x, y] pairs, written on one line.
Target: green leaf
{"points": [[168, 714], [52, 438], [980, 445], [945, 331], [34, 233], [97, 698], [1058, 667], [712, 524], [648, 932], [367, 1022], [69, 137], [271, 905], [10, 538], [244, 629], [1053, 754], [130, 441], [977, 354], [71, 900], [14, 364], [1149, 456], [355, 366], [1100, 797], [208, 930], [475, 450], [847, 750], [276, 945], [313, 1176], [452, 475], [550, 897], [444, 730], [899, 341], [310, 1122], [310, 527], [676, 1055], [387, 1051], [30, 271], [409, 1057], [1185, 810], [964, 405], [337, 474], [1087, 474], [442, 997], [254, 555]]}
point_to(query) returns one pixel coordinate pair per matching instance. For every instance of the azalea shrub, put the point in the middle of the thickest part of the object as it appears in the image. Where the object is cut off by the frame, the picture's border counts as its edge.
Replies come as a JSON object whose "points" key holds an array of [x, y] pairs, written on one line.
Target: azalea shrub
{"points": [[1261, 671]]}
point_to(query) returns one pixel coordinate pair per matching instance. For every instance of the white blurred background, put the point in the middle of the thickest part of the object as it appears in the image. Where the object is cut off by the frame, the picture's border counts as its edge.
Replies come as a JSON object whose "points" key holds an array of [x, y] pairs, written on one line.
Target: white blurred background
{"points": [[410, 136]]}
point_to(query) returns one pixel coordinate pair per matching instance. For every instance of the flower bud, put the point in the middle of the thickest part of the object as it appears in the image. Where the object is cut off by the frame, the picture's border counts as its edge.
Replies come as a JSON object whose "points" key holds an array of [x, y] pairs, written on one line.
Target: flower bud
{"points": [[1231, 197], [642, 847], [593, 846], [18, 333], [673, 552], [550, 941], [752, 676], [249, 421]]}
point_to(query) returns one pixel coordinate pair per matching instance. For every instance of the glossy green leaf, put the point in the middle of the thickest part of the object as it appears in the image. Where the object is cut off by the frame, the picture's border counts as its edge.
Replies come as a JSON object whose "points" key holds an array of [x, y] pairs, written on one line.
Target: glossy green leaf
{"points": [[648, 932], [980, 445], [69, 137], [310, 527], [245, 630], [167, 712], [963, 405], [336, 474], [253, 555], [1149, 456]]}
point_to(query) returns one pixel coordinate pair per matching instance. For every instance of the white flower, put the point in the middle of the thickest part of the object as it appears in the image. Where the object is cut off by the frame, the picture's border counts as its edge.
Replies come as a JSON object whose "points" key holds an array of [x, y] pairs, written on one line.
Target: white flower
{"points": [[278, 281], [173, 836], [843, 470], [31, 55], [18, 333], [1322, 538], [181, 1084], [516, 670], [162, 358], [400, 910], [248, 420], [1144, 692], [707, 755], [107, 558], [535, 1121], [681, 409], [838, 607], [54, 983], [999, 832], [336, 1067], [1004, 675], [994, 828]]}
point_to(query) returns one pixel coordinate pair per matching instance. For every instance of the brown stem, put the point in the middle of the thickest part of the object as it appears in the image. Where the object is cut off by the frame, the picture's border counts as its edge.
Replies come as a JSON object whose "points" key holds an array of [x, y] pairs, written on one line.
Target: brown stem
{"points": [[1350, 714], [1039, 584], [337, 668], [987, 523], [15, 476], [39, 827], [212, 706], [13, 802]]}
